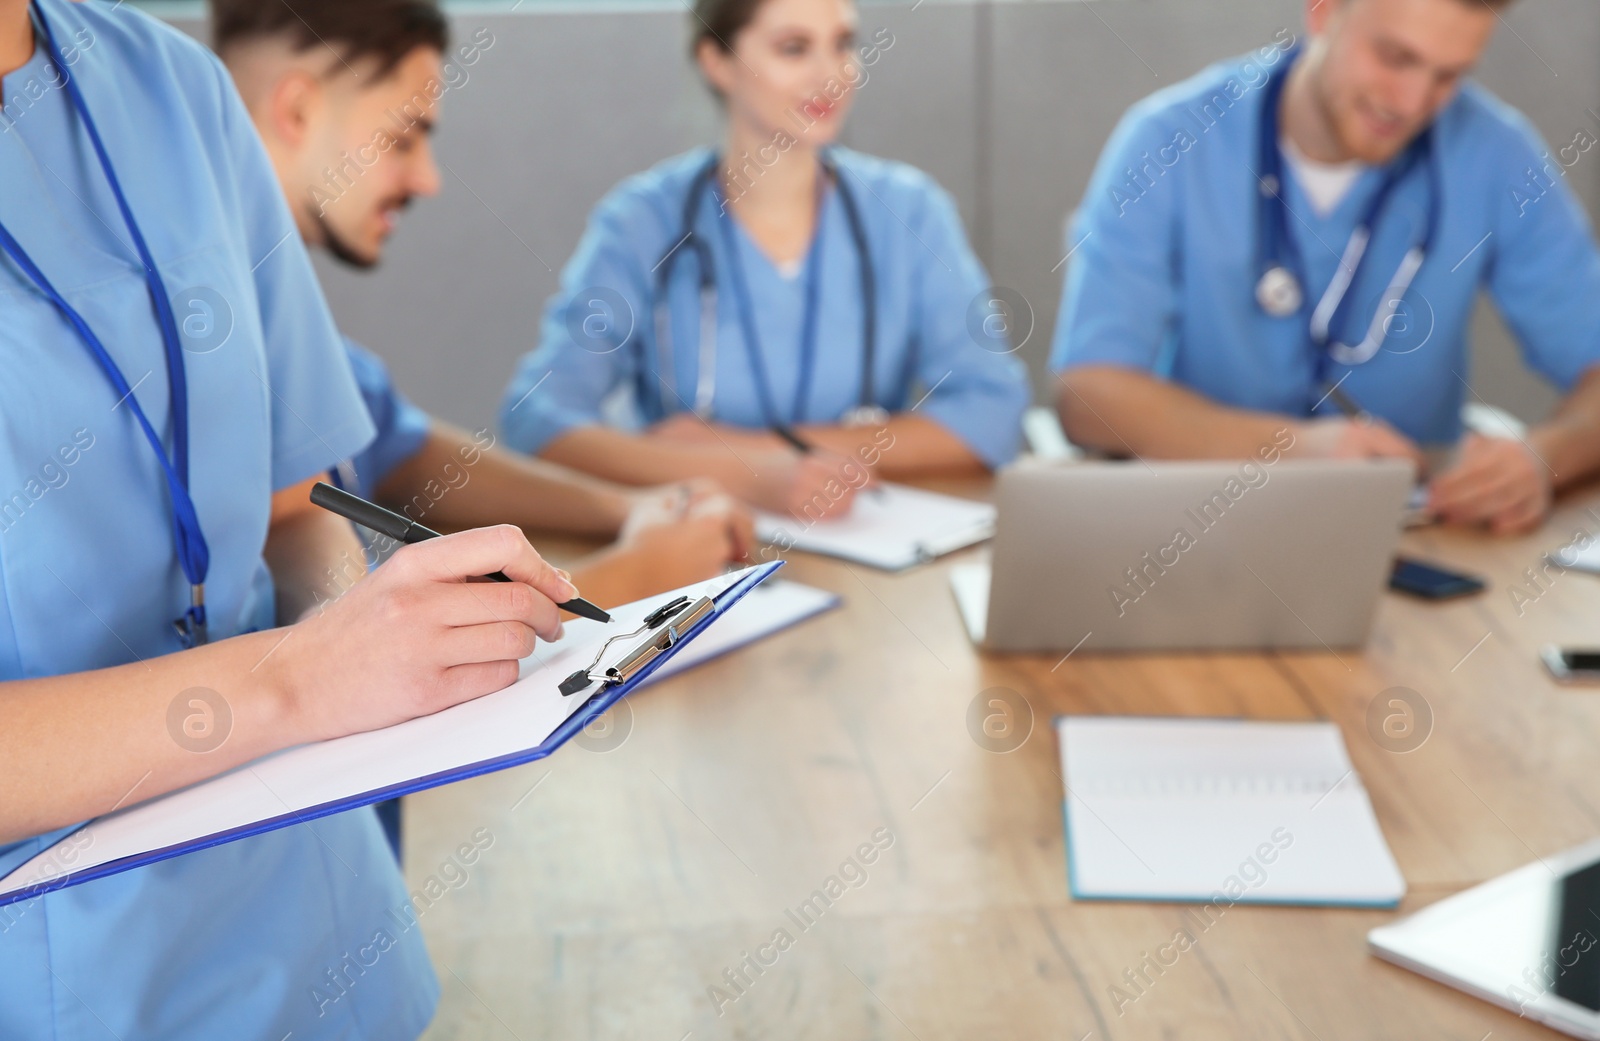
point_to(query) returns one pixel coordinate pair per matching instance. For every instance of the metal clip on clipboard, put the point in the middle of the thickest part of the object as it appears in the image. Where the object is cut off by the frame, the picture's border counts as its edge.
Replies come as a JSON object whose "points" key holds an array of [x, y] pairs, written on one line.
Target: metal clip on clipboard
{"points": [[666, 623]]}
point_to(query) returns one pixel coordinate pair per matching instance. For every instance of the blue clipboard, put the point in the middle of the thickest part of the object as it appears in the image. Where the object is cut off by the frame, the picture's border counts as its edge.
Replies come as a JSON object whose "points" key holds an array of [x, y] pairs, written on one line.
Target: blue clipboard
{"points": [[598, 702]]}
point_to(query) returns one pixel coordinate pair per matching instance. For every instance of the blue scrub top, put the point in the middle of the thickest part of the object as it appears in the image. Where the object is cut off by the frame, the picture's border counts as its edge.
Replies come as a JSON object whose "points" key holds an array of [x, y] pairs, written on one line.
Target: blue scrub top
{"points": [[598, 361], [268, 935], [1164, 275], [402, 426]]}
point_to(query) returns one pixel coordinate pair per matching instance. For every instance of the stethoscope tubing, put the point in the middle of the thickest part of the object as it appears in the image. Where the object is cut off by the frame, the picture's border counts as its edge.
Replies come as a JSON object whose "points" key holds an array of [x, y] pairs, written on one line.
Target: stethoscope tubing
{"points": [[1277, 282], [689, 240]]}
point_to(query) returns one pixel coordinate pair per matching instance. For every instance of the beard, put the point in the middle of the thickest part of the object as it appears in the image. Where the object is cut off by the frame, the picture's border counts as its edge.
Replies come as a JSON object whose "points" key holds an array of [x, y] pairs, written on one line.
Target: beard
{"points": [[340, 248]]}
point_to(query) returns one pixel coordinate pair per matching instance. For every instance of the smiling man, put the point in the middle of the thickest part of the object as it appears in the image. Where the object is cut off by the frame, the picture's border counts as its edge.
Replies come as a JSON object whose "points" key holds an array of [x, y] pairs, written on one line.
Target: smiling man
{"points": [[1301, 234], [346, 104]]}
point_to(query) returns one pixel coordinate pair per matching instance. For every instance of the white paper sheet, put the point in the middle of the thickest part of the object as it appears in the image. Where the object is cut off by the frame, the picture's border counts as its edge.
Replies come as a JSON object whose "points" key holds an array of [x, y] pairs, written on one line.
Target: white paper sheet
{"points": [[893, 528], [1578, 555], [1215, 809], [970, 584], [769, 608]]}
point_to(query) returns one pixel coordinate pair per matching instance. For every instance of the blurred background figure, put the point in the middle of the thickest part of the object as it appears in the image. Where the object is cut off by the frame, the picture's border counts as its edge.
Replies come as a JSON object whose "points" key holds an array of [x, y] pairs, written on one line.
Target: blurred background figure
{"points": [[776, 311], [1296, 239], [345, 95]]}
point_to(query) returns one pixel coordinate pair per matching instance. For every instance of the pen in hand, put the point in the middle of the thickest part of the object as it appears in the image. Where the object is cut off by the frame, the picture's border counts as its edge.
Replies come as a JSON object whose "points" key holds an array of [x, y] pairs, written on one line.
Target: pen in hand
{"points": [[1347, 405], [804, 447], [404, 529], [794, 440]]}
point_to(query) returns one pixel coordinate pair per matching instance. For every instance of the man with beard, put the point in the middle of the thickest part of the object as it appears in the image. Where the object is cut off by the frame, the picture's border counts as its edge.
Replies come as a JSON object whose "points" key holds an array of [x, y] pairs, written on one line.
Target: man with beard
{"points": [[345, 95], [1297, 238]]}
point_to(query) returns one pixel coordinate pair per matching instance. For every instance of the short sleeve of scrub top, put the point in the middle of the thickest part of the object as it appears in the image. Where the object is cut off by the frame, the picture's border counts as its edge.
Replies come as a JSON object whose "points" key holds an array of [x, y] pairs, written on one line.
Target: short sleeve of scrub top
{"points": [[611, 352], [402, 427], [1541, 265], [1164, 259], [307, 929]]}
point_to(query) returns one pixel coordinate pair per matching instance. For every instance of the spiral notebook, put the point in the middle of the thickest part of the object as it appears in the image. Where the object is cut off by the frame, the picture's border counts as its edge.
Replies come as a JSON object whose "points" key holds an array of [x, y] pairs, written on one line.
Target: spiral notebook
{"points": [[1219, 811]]}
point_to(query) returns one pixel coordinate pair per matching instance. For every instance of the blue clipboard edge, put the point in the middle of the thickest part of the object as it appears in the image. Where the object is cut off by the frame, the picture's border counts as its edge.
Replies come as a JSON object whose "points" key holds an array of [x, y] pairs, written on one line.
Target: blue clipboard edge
{"points": [[1075, 891], [579, 719]]}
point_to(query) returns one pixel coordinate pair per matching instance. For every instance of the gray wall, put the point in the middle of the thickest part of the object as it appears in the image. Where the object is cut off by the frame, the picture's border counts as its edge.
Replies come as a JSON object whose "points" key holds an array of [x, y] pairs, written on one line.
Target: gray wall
{"points": [[1005, 103]]}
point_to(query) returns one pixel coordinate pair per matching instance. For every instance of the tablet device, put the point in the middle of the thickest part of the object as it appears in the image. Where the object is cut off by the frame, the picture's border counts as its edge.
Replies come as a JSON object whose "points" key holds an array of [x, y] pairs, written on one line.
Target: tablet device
{"points": [[1528, 941]]}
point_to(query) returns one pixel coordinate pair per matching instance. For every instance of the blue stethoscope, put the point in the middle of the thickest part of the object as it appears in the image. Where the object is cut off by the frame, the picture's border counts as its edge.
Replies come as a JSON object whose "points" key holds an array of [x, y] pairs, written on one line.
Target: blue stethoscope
{"points": [[702, 184], [193, 554], [1279, 290]]}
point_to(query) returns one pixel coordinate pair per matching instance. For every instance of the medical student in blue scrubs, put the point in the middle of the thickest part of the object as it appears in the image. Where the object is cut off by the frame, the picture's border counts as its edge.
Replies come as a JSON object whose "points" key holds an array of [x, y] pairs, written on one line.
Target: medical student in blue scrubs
{"points": [[732, 304], [352, 149], [1203, 312], [145, 566]]}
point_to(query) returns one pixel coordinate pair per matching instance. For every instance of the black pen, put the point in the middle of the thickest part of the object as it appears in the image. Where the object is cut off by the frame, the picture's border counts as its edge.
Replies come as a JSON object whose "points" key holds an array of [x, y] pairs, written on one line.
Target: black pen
{"points": [[804, 447], [796, 442], [1346, 404], [404, 529]]}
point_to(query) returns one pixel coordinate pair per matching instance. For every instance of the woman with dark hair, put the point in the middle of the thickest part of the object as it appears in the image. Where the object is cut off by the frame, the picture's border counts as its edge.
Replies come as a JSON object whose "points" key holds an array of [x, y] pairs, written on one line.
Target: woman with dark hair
{"points": [[776, 309]]}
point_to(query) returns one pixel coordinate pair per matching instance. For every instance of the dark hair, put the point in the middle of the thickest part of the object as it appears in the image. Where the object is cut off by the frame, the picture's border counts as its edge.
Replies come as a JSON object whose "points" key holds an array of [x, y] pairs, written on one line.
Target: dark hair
{"points": [[719, 21], [386, 30]]}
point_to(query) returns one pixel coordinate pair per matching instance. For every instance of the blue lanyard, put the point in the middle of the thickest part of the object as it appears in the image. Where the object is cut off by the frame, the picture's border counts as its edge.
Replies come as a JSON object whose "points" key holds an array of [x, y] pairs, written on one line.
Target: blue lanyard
{"points": [[747, 319], [193, 554]]}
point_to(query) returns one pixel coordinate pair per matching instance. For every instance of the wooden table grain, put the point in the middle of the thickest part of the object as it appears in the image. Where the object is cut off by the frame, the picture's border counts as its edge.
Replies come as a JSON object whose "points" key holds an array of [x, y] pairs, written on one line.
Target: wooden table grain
{"points": [[656, 881]]}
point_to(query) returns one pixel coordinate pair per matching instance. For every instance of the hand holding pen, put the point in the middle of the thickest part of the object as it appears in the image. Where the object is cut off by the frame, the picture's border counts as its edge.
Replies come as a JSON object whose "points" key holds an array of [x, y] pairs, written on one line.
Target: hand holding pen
{"points": [[857, 476], [405, 530], [1357, 434], [414, 637]]}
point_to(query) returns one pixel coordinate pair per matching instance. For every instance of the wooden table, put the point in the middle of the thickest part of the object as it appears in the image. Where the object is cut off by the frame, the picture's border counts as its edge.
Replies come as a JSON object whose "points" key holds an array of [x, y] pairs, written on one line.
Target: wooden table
{"points": [[626, 877]]}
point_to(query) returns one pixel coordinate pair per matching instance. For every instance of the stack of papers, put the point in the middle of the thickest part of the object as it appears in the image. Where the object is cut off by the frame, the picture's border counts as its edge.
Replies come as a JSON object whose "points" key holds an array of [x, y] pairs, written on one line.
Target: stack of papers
{"points": [[891, 527], [1219, 811]]}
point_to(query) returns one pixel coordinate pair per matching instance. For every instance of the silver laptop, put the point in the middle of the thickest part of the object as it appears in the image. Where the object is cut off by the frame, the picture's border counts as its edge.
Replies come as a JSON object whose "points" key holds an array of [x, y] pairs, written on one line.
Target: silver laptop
{"points": [[1096, 556]]}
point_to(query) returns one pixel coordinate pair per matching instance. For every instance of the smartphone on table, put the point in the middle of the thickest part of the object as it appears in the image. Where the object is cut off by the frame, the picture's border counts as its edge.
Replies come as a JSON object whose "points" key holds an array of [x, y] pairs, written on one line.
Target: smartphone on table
{"points": [[1430, 582], [1572, 664]]}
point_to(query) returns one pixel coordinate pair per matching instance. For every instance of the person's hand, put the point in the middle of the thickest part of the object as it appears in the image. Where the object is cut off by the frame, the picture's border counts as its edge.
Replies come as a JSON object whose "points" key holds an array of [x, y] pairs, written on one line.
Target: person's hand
{"points": [[1341, 438], [1497, 482], [814, 485], [709, 502], [687, 534], [417, 635], [700, 502]]}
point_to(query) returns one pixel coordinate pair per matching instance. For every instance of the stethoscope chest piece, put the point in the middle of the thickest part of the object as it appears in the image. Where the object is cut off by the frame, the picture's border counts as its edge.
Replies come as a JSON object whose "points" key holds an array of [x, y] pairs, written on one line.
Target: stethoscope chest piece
{"points": [[1278, 292]]}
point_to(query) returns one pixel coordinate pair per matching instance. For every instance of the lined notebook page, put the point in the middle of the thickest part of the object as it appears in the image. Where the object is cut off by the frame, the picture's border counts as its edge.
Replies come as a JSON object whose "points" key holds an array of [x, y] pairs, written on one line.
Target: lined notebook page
{"points": [[1219, 810]]}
